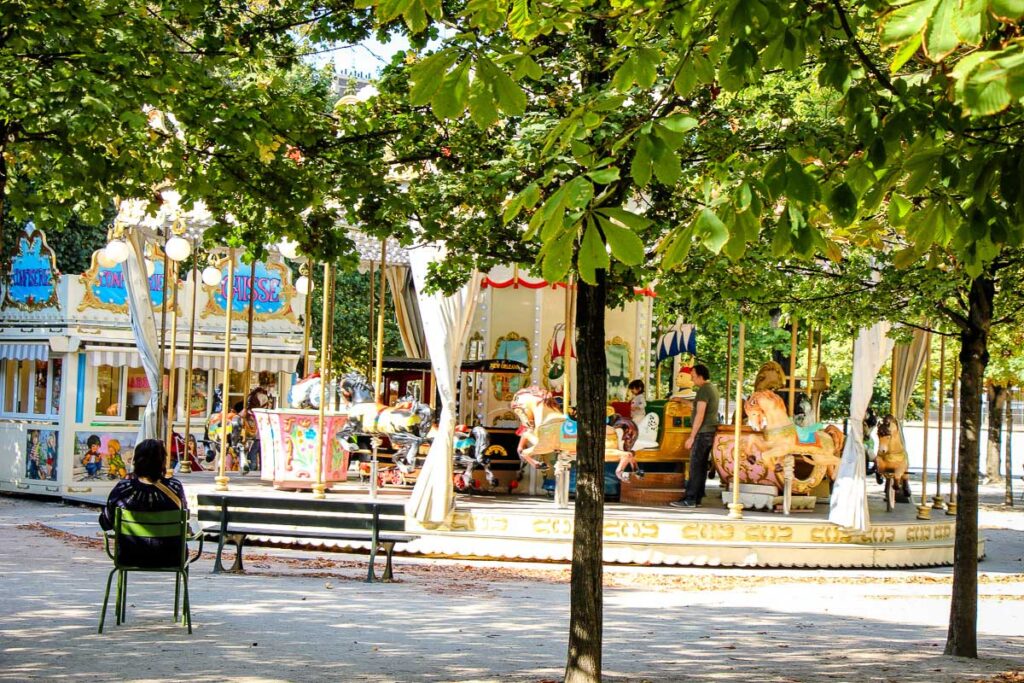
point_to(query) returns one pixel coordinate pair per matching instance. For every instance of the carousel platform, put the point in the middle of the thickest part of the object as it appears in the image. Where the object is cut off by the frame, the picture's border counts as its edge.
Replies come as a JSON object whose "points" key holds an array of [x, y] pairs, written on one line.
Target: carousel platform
{"points": [[531, 528]]}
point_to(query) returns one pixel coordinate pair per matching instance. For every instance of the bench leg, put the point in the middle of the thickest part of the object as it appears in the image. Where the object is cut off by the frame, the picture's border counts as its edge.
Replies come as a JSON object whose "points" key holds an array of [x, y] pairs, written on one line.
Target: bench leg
{"points": [[370, 576], [218, 567], [389, 548], [239, 541]]}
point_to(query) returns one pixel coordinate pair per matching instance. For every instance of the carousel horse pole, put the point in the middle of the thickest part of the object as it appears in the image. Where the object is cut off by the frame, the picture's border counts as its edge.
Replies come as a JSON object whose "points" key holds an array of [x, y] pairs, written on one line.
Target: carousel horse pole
{"points": [[246, 377], [319, 490], [305, 270], [186, 465], [736, 507], [221, 480], [171, 384]]}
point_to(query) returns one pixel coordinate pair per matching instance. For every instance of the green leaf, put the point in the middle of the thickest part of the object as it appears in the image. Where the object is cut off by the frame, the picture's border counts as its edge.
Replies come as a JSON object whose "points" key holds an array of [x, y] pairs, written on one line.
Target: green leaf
{"points": [[481, 104], [667, 167], [906, 21], [741, 197], [940, 37], [1007, 10], [677, 248], [578, 192], [450, 99], [842, 202], [625, 75], [520, 21], [647, 60], [905, 52], [605, 175], [627, 218], [899, 209], [427, 75], [558, 258], [711, 230], [640, 168], [679, 123], [625, 244], [593, 254], [510, 97], [799, 185]]}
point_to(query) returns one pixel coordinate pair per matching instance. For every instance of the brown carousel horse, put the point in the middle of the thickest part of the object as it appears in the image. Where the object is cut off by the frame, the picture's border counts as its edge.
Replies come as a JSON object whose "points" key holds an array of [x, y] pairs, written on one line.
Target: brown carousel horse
{"points": [[547, 430], [891, 461], [406, 425]]}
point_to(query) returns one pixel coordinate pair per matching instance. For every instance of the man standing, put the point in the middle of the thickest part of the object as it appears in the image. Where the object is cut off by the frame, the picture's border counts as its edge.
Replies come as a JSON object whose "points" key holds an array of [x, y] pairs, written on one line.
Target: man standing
{"points": [[702, 435]]}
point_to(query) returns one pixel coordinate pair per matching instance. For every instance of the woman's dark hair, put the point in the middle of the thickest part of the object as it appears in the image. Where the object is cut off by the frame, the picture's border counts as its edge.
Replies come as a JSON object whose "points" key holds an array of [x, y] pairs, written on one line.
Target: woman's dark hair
{"points": [[150, 458], [702, 370], [637, 384]]}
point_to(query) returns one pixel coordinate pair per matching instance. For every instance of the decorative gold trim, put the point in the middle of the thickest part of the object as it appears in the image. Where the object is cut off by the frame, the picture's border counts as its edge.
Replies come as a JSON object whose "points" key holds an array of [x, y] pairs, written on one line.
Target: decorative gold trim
{"points": [[90, 278], [619, 342], [288, 292], [498, 380]]}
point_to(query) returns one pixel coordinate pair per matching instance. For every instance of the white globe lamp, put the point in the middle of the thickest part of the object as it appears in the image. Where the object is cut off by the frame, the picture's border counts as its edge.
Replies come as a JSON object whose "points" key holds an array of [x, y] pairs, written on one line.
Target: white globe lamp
{"points": [[178, 248], [211, 276], [303, 285], [117, 251], [103, 259], [288, 248]]}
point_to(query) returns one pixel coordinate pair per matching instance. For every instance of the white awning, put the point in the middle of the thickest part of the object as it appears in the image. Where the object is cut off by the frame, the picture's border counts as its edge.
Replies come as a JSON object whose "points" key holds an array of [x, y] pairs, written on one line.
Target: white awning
{"points": [[262, 361], [28, 351]]}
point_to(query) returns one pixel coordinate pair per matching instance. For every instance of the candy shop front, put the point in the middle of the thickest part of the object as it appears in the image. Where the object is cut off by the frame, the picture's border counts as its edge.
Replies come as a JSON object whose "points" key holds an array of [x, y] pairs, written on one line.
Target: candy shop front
{"points": [[72, 386]]}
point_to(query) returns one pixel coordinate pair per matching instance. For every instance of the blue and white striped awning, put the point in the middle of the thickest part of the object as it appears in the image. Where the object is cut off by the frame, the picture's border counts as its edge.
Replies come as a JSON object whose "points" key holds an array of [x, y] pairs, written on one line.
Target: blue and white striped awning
{"points": [[25, 351], [681, 338]]}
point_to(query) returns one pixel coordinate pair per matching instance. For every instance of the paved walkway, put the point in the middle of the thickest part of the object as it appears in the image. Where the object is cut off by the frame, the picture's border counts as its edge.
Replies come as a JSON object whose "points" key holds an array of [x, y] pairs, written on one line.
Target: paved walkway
{"points": [[309, 617]]}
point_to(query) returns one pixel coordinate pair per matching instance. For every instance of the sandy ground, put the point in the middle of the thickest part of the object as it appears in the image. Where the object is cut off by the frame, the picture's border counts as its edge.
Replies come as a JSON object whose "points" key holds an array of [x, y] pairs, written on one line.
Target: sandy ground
{"points": [[308, 617]]}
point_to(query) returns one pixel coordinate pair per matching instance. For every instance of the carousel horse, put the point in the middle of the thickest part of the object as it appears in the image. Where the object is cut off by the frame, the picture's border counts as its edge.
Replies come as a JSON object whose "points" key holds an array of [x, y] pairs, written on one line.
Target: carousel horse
{"points": [[306, 392], [242, 430], [546, 430], [471, 452], [891, 462], [776, 444], [406, 425]]}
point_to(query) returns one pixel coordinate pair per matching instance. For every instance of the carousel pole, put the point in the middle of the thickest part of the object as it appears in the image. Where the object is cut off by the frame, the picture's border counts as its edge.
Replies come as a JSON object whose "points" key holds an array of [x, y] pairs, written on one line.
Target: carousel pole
{"points": [[817, 406], [378, 374], [792, 366], [373, 321], [246, 378], [810, 371], [736, 507], [939, 503], [924, 510], [305, 270], [186, 463], [325, 376], [221, 481], [951, 507], [171, 386], [892, 383], [163, 343], [728, 368]]}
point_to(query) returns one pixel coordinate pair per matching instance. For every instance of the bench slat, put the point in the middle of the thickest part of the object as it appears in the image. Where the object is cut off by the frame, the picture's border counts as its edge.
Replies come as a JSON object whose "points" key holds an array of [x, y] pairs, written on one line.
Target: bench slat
{"points": [[324, 521], [301, 504], [306, 533]]}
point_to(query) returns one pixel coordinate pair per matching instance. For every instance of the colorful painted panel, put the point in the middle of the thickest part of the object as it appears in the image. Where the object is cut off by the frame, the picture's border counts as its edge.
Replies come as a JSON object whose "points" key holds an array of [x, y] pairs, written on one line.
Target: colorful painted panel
{"points": [[620, 365], [103, 455], [511, 347], [41, 454], [105, 288], [288, 442], [270, 291], [32, 280]]}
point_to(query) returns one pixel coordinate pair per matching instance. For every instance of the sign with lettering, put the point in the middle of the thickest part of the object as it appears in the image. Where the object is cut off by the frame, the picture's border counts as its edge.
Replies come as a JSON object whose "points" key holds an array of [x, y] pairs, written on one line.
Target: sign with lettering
{"points": [[268, 289], [105, 287], [32, 280]]}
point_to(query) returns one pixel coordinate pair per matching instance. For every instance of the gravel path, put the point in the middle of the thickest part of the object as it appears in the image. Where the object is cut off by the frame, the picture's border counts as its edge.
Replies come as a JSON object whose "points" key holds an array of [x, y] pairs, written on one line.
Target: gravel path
{"points": [[309, 617]]}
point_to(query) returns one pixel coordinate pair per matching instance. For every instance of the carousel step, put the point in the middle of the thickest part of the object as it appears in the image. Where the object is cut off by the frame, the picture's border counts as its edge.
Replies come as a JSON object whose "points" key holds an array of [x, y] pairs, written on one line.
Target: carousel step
{"points": [[637, 495], [656, 480]]}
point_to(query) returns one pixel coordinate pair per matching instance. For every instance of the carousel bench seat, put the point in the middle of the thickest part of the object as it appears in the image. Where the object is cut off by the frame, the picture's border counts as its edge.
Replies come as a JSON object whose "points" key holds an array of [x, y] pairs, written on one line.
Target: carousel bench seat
{"points": [[231, 518]]}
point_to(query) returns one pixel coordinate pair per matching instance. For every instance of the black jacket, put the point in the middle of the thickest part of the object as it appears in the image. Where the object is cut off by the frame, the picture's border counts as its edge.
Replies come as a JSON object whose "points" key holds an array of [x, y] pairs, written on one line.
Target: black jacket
{"points": [[132, 494]]}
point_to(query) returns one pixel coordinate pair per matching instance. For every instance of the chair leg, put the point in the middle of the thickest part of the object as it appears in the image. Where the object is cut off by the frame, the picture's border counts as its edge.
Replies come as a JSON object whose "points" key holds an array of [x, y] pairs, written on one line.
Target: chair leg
{"points": [[106, 599], [186, 608], [177, 594], [124, 597]]}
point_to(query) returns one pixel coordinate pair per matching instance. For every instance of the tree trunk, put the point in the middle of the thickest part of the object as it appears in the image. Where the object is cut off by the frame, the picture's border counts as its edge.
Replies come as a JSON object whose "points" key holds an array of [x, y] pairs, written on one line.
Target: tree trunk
{"points": [[1008, 498], [962, 638], [996, 399], [586, 600]]}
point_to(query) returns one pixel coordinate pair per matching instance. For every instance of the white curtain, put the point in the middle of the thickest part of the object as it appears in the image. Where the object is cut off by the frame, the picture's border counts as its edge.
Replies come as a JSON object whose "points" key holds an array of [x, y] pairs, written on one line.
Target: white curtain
{"points": [[407, 313], [143, 323], [446, 325], [849, 504], [909, 360]]}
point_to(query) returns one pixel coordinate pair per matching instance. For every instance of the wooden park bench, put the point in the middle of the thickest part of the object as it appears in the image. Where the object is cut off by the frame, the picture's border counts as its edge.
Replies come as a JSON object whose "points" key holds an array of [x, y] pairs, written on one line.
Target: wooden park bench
{"points": [[230, 518]]}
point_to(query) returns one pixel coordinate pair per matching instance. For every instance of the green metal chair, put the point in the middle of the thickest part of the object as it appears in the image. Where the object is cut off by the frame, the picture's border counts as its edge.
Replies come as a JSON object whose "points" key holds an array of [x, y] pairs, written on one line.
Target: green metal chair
{"points": [[169, 524]]}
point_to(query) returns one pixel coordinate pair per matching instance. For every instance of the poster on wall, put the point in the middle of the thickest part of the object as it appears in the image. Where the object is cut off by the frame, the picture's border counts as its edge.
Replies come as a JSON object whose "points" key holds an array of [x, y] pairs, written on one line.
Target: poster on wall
{"points": [[102, 456], [41, 454], [32, 279]]}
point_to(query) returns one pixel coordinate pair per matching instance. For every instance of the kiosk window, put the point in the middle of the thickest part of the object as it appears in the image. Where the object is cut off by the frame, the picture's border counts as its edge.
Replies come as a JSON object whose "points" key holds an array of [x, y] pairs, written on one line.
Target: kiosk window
{"points": [[31, 387], [138, 392], [108, 391]]}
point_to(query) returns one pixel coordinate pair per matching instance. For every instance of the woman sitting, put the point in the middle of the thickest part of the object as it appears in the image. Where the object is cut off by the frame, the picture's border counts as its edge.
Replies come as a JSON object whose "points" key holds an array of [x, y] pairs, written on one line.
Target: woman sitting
{"points": [[146, 491]]}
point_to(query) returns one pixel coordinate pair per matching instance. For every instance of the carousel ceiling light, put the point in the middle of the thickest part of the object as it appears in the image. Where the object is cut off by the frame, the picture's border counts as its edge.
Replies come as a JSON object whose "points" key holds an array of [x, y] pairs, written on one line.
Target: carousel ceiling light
{"points": [[178, 248], [103, 259], [288, 248], [303, 285], [211, 276], [117, 251]]}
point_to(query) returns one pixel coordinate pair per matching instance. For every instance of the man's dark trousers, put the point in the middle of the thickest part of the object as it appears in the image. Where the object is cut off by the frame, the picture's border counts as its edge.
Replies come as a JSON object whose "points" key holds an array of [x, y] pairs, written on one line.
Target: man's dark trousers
{"points": [[699, 456]]}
